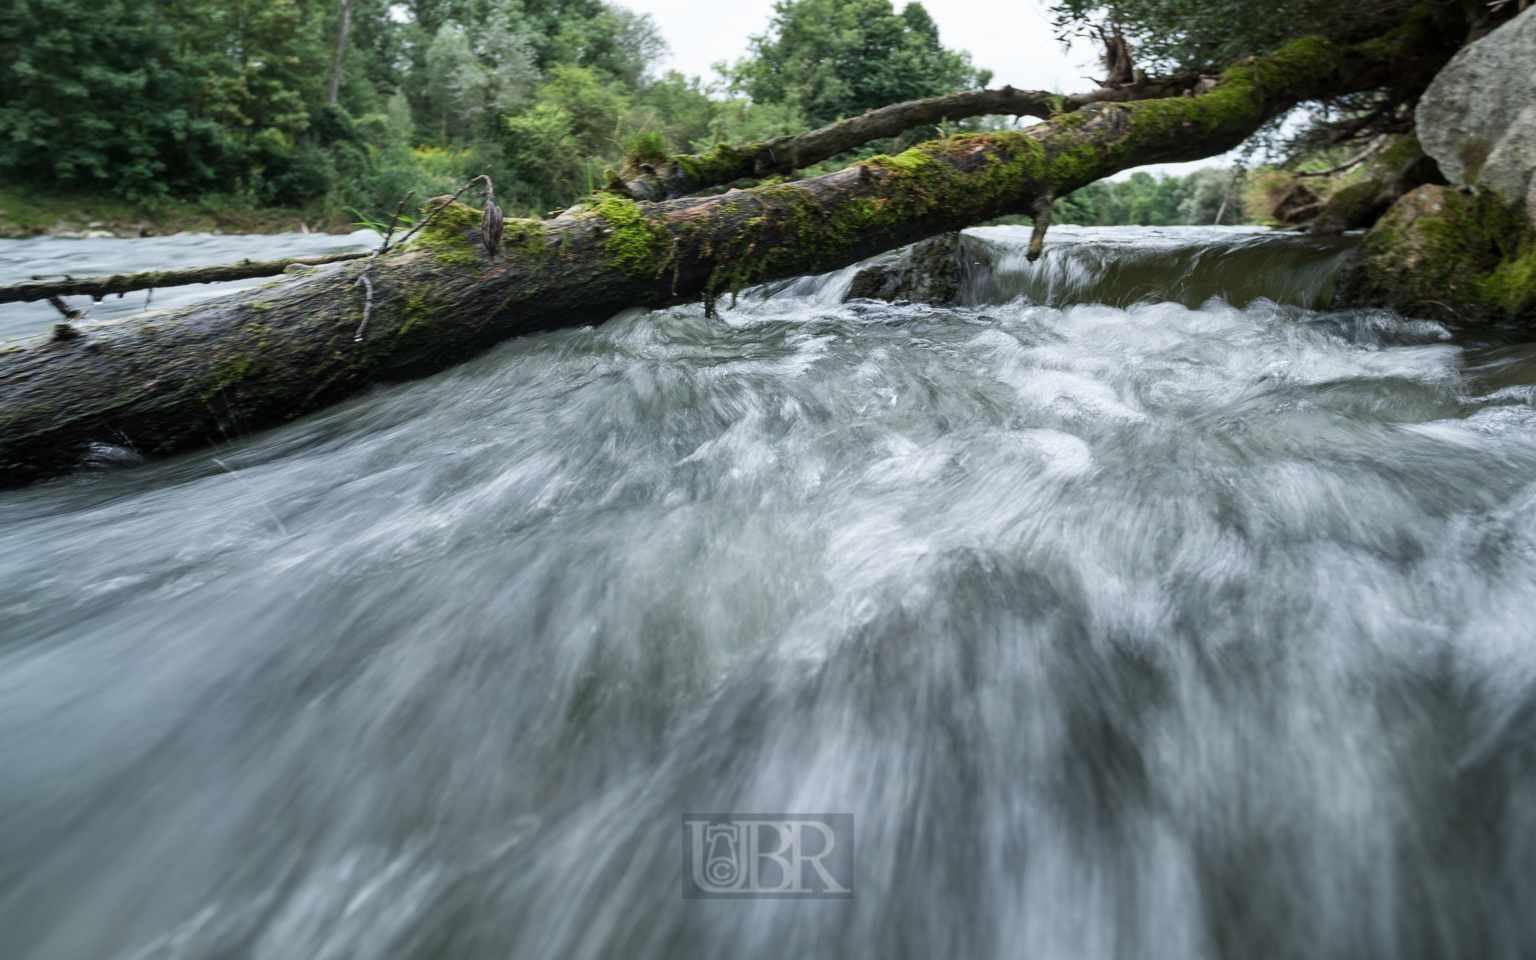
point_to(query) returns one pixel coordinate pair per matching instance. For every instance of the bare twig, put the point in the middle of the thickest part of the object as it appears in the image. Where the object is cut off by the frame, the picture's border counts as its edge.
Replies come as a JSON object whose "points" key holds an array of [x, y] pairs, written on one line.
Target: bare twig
{"points": [[490, 232], [1347, 164], [69, 312], [363, 277], [367, 307]]}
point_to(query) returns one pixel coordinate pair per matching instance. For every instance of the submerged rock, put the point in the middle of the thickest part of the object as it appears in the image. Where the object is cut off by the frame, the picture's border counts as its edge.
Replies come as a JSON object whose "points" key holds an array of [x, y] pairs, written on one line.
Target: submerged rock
{"points": [[928, 272], [1478, 117]]}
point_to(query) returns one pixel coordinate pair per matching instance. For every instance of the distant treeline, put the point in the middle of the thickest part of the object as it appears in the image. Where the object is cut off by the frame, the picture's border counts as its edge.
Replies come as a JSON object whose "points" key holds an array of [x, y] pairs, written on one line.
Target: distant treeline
{"points": [[1148, 201], [190, 98]]}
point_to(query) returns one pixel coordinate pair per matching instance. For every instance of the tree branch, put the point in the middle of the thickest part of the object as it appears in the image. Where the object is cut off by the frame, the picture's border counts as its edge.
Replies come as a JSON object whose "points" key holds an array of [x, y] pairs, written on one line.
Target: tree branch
{"points": [[99, 287], [662, 177]]}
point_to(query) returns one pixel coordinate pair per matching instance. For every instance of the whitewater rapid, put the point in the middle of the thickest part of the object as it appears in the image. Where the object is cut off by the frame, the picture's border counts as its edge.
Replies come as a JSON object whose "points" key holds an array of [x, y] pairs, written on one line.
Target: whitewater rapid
{"points": [[1192, 622]]}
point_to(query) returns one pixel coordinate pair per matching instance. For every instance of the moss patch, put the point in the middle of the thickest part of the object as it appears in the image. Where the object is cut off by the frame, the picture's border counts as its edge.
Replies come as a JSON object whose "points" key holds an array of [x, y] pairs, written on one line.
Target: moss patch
{"points": [[453, 236], [1439, 250], [634, 243]]}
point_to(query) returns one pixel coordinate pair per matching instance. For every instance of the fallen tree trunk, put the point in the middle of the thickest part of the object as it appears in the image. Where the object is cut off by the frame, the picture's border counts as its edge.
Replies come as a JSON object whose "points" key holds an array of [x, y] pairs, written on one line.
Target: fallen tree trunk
{"points": [[180, 379]]}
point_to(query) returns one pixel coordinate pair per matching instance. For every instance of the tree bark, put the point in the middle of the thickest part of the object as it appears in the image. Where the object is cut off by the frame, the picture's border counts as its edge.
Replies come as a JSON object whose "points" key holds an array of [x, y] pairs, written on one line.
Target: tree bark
{"points": [[180, 379], [334, 90]]}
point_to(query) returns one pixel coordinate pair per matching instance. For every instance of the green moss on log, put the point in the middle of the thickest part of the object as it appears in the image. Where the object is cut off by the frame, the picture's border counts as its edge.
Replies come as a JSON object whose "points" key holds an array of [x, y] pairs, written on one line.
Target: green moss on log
{"points": [[452, 235], [634, 242]]}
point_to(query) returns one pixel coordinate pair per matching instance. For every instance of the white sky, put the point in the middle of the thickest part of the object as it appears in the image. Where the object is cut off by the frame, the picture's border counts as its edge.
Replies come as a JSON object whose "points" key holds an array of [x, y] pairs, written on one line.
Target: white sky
{"points": [[1012, 38]]}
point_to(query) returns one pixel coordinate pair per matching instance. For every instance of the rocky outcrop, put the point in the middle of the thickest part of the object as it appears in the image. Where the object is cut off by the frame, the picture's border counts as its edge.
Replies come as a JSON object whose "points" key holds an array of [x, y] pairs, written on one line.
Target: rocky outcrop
{"points": [[1447, 254], [1465, 252], [928, 272], [1478, 117]]}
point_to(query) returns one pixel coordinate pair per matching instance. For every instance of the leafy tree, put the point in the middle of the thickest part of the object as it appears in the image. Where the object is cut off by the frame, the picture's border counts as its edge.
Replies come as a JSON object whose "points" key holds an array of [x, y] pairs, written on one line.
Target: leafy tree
{"points": [[837, 58], [1172, 35], [94, 94], [1150, 201], [261, 60], [468, 88]]}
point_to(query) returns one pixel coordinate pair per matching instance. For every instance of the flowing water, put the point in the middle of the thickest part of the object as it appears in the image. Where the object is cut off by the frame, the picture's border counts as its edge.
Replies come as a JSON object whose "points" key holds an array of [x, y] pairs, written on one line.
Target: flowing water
{"points": [[1159, 626]]}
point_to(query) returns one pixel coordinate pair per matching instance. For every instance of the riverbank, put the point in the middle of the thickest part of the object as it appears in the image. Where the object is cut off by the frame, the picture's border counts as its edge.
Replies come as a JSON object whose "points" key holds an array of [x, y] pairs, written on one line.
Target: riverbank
{"points": [[28, 214]]}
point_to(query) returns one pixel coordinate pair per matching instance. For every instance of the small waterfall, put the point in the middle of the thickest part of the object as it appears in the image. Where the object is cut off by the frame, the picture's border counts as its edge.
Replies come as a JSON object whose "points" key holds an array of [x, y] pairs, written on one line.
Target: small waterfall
{"points": [[1120, 266]]}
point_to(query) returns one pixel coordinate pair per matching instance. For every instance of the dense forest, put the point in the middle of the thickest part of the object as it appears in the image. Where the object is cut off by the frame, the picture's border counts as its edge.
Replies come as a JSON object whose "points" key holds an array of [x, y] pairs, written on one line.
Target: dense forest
{"points": [[347, 105]]}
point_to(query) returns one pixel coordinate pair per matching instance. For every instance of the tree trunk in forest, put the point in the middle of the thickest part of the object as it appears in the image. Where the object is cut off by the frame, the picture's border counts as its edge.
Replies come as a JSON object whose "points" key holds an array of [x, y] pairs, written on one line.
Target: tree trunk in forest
{"points": [[180, 379], [341, 48]]}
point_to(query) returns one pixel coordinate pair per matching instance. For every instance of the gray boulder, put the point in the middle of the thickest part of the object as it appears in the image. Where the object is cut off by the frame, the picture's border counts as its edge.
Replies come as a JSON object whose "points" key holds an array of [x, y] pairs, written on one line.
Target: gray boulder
{"points": [[928, 272], [1478, 117]]}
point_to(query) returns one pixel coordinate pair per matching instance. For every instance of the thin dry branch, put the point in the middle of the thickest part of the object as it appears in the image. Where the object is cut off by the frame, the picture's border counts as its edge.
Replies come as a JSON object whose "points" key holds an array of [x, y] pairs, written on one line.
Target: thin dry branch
{"points": [[1349, 164], [98, 287]]}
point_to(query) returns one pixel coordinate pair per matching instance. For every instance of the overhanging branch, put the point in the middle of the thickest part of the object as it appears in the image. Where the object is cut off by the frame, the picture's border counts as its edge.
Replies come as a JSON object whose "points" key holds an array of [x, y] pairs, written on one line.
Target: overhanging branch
{"points": [[666, 177]]}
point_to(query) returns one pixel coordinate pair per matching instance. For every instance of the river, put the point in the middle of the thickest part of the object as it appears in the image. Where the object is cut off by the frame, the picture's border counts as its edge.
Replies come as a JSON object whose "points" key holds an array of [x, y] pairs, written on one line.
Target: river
{"points": [[1136, 608]]}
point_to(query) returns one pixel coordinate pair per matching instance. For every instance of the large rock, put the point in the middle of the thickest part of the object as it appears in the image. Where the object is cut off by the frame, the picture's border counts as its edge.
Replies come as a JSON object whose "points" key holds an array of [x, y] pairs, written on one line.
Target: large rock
{"points": [[1478, 117], [928, 272], [1447, 254]]}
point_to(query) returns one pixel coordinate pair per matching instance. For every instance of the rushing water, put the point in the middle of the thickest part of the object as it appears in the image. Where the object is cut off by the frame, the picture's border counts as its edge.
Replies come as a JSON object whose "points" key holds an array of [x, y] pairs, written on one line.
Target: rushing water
{"points": [[1166, 629], [53, 256]]}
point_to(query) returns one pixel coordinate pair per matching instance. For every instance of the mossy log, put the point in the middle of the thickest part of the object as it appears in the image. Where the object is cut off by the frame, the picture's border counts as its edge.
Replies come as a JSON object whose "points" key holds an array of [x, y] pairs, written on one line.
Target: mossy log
{"points": [[658, 177], [180, 379]]}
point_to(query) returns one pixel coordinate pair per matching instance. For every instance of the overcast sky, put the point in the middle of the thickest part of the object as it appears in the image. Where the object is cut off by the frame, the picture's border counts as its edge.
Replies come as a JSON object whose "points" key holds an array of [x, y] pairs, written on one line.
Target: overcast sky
{"points": [[1012, 38]]}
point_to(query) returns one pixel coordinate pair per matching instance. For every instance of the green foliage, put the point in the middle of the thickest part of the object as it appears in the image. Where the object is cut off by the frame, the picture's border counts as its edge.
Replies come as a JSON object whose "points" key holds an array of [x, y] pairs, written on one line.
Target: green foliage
{"points": [[468, 88], [227, 98], [145, 97], [1172, 35], [92, 94], [1149, 201], [837, 58]]}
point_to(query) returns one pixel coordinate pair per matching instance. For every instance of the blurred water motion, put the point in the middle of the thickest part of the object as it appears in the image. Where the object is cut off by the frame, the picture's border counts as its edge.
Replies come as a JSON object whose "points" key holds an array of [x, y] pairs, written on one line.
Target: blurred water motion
{"points": [[1160, 629], [52, 257]]}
